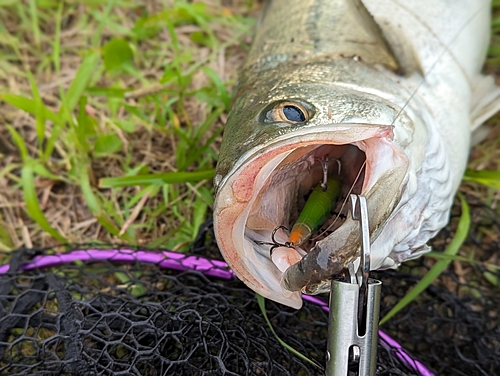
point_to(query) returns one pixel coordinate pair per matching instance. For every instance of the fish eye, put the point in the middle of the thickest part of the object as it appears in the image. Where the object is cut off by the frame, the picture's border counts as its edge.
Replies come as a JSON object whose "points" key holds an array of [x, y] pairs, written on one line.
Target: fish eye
{"points": [[294, 113], [287, 112]]}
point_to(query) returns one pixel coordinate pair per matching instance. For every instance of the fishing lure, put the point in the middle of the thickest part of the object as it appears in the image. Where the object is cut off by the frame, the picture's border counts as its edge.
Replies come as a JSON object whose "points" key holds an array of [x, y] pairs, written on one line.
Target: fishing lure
{"points": [[315, 212]]}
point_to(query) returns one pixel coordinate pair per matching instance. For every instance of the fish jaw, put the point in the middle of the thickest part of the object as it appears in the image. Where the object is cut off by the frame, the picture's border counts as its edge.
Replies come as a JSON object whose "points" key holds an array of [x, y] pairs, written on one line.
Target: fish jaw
{"points": [[257, 196]]}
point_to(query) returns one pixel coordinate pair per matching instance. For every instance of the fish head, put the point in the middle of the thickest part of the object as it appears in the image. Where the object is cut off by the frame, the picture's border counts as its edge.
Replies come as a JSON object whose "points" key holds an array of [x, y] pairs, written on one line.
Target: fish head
{"points": [[281, 130]]}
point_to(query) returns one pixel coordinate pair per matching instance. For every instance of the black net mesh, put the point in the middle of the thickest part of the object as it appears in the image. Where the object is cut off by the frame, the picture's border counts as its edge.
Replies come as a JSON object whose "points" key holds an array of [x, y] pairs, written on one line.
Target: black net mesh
{"points": [[147, 313]]}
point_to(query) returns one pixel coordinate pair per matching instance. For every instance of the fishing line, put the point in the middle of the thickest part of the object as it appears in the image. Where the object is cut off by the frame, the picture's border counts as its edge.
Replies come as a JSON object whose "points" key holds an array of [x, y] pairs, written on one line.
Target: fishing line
{"points": [[343, 203], [446, 48]]}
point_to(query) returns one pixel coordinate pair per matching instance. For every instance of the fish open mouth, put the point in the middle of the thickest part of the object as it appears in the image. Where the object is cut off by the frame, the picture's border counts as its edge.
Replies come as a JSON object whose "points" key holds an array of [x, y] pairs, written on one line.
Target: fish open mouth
{"points": [[259, 202], [282, 202]]}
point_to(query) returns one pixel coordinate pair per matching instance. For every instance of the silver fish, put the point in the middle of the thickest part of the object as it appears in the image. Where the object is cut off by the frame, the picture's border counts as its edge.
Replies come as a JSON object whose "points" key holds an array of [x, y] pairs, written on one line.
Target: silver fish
{"points": [[391, 89]]}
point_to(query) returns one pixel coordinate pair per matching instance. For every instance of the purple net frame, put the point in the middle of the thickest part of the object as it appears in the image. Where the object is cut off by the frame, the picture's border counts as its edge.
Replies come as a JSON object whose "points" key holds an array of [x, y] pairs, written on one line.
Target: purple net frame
{"points": [[183, 262]]}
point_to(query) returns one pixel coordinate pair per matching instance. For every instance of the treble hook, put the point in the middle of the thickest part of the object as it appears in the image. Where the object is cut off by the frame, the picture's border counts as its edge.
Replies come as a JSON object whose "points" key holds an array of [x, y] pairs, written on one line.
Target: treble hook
{"points": [[324, 164], [275, 243]]}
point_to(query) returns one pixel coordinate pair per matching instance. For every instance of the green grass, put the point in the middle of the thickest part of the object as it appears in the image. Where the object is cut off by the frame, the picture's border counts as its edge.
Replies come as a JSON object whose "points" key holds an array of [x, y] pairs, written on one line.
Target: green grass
{"points": [[439, 266], [262, 305], [122, 106], [113, 114]]}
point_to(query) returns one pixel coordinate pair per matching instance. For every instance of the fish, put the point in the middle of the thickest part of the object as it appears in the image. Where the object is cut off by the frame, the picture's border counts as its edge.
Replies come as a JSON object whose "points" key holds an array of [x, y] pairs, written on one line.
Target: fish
{"points": [[393, 90]]}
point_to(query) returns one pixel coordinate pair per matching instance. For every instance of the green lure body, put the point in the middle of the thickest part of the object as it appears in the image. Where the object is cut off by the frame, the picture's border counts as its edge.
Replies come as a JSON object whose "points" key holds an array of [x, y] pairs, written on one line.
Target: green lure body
{"points": [[315, 212]]}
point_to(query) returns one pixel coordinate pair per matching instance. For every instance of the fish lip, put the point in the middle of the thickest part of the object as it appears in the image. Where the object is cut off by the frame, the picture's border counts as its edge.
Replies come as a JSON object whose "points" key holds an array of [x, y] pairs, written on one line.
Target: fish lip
{"points": [[232, 202], [385, 130]]}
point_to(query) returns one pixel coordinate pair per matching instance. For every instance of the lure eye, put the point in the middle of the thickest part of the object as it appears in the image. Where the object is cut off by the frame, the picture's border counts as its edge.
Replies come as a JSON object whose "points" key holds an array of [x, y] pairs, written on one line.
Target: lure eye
{"points": [[287, 112]]}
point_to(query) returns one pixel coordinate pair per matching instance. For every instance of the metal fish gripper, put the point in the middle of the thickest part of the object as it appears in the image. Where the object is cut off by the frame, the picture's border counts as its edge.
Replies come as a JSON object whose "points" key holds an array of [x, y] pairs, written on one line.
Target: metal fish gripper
{"points": [[354, 310]]}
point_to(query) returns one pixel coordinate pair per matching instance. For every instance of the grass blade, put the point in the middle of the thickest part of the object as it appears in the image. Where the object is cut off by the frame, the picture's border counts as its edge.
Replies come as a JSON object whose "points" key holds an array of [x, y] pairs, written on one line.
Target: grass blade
{"points": [[32, 205], [489, 178], [35, 107], [95, 206], [81, 81], [441, 256], [34, 22], [439, 266], [202, 150], [6, 243], [262, 304], [220, 86], [96, 39], [158, 179], [39, 109], [28, 105], [19, 141], [56, 46]]}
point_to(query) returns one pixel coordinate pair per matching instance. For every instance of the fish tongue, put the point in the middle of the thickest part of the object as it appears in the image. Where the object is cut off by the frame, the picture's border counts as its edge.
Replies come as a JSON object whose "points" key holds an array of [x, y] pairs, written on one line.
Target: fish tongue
{"points": [[332, 254]]}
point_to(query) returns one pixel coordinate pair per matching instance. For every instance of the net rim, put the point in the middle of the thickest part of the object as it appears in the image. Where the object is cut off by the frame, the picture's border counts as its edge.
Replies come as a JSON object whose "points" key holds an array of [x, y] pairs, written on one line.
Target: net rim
{"points": [[184, 262]]}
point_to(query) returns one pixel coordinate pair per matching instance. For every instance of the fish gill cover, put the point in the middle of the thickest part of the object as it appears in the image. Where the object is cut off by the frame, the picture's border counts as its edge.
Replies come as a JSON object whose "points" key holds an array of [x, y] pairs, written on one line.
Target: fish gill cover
{"points": [[147, 312]]}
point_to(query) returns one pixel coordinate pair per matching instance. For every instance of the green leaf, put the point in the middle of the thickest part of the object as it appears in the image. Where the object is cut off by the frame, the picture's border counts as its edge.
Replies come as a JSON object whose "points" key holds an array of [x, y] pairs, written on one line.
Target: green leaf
{"points": [[489, 178], [8, 169], [28, 105], [199, 215], [201, 38], [34, 22], [439, 266], [196, 156], [494, 50], [136, 289], [442, 256], [86, 125], [207, 194], [168, 75], [107, 144], [145, 29], [219, 84], [159, 179], [40, 170], [138, 170], [39, 109], [19, 141], [127, 126], [81, 80], [90, 198], [491, 278], [54, 136], [151, 190], [104, 19], [137, 112], [6, 243], [95, 206], [148, 26], [262, 304], [116, 53], [109, 92], [56, 46], [32, 205]]}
